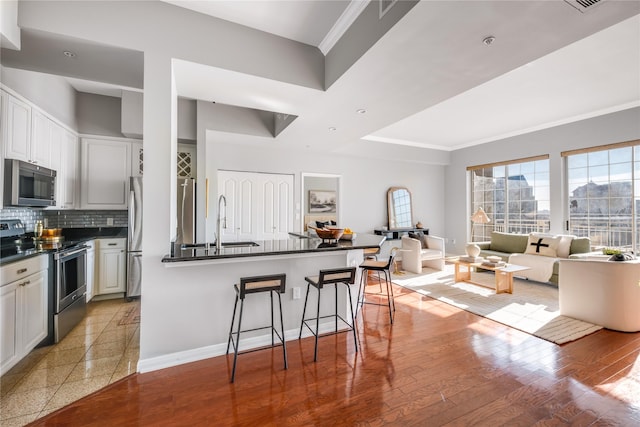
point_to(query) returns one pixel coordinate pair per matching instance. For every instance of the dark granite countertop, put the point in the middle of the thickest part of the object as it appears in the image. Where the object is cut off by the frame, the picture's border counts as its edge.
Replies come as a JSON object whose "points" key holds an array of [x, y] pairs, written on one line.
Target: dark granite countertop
{"points": [[89, 233], [69, 234], [296, 244]]}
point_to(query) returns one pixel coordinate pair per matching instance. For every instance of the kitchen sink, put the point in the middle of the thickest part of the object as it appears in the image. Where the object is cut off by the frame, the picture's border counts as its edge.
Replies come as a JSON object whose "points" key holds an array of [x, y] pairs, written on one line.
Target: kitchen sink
{"points": [[246, 244], [239, 244]]}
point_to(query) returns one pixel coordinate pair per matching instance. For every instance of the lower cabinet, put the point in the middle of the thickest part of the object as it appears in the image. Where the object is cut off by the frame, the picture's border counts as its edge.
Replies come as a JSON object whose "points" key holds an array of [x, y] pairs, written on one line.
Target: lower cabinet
{"points": [[23, 309], [91, 269], [111, 265]]}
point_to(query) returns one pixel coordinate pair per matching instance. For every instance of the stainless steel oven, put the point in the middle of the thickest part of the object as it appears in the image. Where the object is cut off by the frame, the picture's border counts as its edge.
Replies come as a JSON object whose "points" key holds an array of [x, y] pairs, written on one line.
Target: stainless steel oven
{"points": [[71, 287]]}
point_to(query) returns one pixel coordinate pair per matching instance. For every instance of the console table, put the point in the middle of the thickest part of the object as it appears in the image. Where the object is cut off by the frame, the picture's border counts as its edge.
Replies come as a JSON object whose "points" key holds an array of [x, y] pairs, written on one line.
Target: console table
{"points": [[397, 233]]}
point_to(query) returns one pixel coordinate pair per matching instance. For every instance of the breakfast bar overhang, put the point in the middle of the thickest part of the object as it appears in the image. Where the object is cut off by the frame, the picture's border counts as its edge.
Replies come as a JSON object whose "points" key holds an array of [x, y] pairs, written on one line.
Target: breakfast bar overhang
{"points": [[203, 281]]}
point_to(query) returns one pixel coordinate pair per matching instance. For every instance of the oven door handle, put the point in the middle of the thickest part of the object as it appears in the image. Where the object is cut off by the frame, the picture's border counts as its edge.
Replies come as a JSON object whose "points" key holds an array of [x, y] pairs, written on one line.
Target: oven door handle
{"points": [[71, 253]]}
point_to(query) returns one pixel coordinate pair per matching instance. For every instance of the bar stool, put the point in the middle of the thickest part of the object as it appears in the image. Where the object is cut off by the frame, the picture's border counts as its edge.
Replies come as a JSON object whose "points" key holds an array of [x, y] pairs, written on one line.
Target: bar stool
{"points": [[250, 285], [372, 265], [346, 276]]}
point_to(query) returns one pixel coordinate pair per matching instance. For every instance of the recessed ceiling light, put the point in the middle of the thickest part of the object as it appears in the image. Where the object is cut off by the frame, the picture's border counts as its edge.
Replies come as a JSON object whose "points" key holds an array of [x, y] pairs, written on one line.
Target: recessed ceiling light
{"points": [[488, 40], [361, 111], [69, 54], [332, 129]]}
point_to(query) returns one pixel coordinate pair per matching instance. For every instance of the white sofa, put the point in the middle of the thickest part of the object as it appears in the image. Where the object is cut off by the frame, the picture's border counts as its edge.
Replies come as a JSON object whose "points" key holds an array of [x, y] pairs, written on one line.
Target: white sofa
{"points": [[414, 256], [606, 293]]}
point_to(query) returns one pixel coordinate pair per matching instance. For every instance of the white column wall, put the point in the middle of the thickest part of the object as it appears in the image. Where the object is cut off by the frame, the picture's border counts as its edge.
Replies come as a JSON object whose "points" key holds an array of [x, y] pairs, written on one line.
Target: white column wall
{"points": [[191, 307]]}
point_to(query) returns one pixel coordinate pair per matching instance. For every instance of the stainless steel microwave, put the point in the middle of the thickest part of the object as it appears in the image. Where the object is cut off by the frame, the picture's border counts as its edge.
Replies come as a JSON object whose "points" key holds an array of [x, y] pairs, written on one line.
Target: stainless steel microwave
{"points": [[26, 184]]}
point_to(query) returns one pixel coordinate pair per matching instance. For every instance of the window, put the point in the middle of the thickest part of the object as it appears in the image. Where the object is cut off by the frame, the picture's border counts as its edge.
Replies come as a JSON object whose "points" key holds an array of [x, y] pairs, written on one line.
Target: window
{"points": [[515, 195], [604, 194]]}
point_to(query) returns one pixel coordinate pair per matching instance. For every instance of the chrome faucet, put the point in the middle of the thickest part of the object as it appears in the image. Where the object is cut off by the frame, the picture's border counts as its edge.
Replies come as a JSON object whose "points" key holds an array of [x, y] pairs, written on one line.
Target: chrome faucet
{"points": [[221, 221]]}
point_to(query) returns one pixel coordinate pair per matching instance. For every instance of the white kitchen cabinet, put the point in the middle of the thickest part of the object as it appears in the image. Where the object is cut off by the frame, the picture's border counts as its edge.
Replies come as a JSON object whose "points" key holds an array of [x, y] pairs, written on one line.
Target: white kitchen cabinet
{"points": [[23, 308], [186, 160], [64, 160], [111, 266], [16, 129], [68, 175], [106, 168], [3, 139], [91, 269], [41, 135]]}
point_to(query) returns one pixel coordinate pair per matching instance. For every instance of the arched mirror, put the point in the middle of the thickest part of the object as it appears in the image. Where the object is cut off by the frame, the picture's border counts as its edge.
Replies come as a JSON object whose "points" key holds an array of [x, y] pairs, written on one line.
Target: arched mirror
{"points": [[399, 208]]}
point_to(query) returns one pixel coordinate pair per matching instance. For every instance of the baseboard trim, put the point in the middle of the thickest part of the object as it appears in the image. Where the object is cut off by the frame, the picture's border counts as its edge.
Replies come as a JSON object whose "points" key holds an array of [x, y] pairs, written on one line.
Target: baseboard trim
{"points": [[194, 355]]}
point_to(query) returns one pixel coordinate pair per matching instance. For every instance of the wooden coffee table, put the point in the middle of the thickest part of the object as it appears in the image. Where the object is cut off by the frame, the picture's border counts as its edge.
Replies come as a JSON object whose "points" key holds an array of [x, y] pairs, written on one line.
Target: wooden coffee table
{"points": [[504, 275]]}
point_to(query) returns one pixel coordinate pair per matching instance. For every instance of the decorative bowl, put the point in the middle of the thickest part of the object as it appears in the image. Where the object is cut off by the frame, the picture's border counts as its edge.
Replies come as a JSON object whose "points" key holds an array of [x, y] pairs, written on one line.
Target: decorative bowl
{"points": [[329, 233], [348, 236]]}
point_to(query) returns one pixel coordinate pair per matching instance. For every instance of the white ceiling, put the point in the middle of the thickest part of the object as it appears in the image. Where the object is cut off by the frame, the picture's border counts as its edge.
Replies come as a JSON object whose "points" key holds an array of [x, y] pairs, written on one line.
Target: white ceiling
{"points": [[430, 81], [592, 76], [307, 21]]}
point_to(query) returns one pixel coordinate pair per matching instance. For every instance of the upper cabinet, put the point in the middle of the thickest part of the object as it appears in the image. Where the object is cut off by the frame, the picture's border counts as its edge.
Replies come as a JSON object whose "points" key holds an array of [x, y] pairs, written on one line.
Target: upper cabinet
{"points": [[68, 188], [16, 120], [41, 136], [30, 135], [106, 168]]}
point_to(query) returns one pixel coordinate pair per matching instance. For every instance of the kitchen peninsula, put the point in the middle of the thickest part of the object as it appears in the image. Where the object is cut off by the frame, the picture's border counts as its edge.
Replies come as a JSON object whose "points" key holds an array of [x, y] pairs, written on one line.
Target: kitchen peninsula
{"points": [[297, 244], [203, 295]]}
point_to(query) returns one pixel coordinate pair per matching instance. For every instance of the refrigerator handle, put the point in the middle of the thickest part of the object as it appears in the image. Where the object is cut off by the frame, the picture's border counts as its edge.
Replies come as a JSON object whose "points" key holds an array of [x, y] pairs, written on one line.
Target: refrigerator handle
{"points": [[132, 215]]}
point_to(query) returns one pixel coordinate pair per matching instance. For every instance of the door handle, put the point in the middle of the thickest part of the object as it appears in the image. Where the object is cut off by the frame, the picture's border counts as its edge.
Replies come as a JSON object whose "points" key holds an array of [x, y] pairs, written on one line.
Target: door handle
{"points": [[26, 282], [21, 270]]}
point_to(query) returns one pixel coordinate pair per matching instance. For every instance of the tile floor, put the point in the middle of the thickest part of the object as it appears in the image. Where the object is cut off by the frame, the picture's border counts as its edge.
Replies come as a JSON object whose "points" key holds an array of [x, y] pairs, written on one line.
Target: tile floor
{"points": [[97, 352]]}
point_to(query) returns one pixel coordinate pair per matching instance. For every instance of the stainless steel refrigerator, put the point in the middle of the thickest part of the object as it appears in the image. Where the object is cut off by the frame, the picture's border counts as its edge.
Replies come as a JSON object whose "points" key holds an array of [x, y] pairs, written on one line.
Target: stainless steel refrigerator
{"points": [[134, 249], [186, 207]]}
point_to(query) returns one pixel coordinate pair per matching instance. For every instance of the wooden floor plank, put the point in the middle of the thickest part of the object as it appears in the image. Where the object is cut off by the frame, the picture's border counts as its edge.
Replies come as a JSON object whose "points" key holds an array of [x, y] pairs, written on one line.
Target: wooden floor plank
{"points": [[436, 365]]}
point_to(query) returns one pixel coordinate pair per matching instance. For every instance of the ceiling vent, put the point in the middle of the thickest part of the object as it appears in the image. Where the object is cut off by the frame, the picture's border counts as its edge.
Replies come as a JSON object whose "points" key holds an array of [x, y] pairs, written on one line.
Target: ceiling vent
{"points": [[584, 5]]}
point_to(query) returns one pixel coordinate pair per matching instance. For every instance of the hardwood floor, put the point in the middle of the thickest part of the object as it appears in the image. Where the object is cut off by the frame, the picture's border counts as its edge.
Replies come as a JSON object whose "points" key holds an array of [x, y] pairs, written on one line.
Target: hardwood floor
{"points": [[437, 365]]}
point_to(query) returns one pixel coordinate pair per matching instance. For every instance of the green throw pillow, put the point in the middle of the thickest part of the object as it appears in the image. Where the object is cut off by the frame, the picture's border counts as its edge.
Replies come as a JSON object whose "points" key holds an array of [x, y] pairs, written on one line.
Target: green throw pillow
{"points": [[580, 245]]}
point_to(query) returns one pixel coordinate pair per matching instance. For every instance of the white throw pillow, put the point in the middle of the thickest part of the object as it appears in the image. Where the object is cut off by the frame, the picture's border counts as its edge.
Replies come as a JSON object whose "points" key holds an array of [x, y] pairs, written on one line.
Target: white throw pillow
{"points": [[564, 245], [541, 244]]}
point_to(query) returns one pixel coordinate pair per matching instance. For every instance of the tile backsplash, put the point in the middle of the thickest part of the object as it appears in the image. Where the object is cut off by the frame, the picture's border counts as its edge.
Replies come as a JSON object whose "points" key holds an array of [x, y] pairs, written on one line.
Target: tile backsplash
{"points": [[65, 218]]}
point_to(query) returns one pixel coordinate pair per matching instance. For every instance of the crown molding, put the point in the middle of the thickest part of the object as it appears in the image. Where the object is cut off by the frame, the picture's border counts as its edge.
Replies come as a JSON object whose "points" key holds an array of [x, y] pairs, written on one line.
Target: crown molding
{"points": [[343, 23]]}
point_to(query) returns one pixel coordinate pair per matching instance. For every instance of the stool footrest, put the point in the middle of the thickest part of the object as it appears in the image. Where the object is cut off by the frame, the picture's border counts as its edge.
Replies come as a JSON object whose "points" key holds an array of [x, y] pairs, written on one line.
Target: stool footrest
{"points": [[349, 327]]}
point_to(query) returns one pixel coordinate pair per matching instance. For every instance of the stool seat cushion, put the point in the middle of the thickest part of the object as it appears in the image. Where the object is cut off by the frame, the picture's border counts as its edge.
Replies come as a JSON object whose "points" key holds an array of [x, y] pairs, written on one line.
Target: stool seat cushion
{"points": [[342, 276], [372, 263]]}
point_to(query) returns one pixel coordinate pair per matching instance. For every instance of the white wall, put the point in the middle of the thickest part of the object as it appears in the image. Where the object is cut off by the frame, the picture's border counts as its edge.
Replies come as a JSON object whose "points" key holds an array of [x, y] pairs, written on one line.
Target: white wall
{"points": [[9, 30], [364, 182], [607, 129]]}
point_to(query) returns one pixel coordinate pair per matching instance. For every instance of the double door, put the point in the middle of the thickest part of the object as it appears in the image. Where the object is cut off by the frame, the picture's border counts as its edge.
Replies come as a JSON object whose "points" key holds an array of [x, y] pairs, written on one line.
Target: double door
{"points": [[259, 205]]}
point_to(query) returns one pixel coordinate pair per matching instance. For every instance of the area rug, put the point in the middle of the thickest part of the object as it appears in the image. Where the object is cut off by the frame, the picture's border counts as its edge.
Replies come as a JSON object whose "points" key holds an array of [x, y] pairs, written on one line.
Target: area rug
{"points": [[533, 307]]}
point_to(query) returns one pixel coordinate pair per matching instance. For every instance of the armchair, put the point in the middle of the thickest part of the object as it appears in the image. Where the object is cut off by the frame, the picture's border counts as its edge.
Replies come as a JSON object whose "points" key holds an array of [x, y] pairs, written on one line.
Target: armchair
{"points": [[415, 256]]}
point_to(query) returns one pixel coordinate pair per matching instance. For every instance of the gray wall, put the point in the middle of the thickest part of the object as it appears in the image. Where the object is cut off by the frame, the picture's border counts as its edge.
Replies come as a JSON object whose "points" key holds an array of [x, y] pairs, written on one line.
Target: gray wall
{"points": [[131, 116], [99, 115], [51, 93], [611, 128], [367, 29]]}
